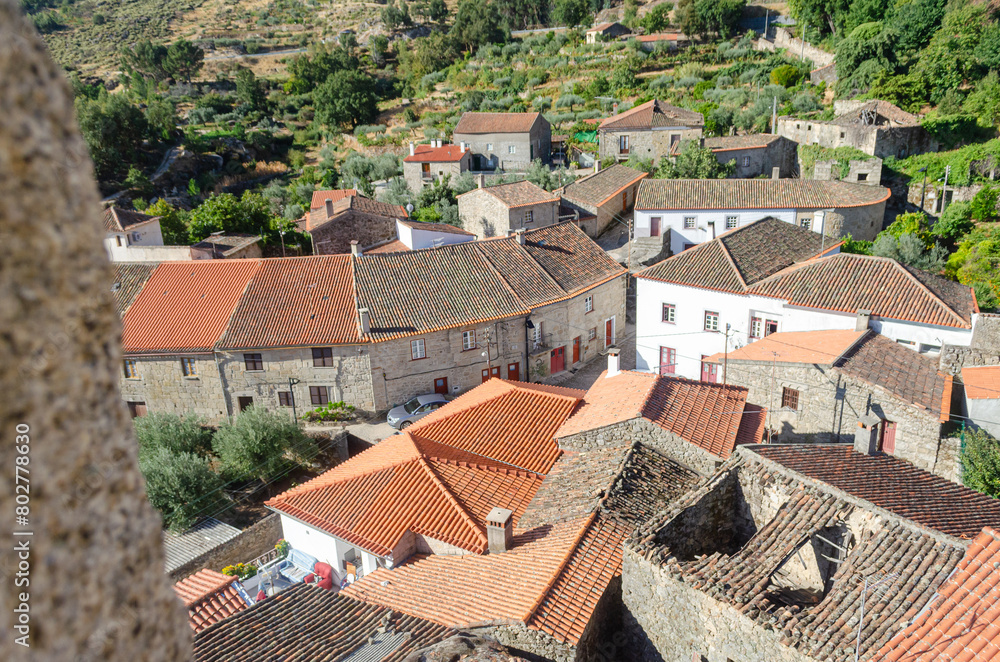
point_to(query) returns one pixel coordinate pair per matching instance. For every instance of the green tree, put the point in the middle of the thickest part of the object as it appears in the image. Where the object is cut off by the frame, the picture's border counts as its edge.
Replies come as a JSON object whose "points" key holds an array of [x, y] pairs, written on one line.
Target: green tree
{"points": [[261, 444], [909, 249], [981, 462], [984, 100], [346, 98], [183, 60], [172, 225], [311, 70], [983, 207], [182, 486], [657, 19], [250, 213], [955, 223], [786, 75], [987, 51], [823, 16], [437, 11], [137, 182], [396, 16], [867, 51], [694, 162], [146, 59], [721, 17], [378, 46], [624, 76], [570, 12], [687, 18], [161, 117], [916, 22], [477, 23], [114, 130], [949, 59], [250, 91], [361, 172], [177, 434], [907, 92]]}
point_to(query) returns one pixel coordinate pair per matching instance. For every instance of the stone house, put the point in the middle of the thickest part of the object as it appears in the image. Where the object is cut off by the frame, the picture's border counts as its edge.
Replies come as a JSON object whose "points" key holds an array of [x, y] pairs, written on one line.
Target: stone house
{"points": [[669, 40], [859, 171], [877, 128], [756, 155], [817, 385], [414, 235], [772, 276], [694, 423], [982, 398], [352, 218], [685, 212], [504, 141], [606, 32], [599, 199], [769, 559], [496, 211], [427, 164], [211, 338], [648, 131], [222, 246]]}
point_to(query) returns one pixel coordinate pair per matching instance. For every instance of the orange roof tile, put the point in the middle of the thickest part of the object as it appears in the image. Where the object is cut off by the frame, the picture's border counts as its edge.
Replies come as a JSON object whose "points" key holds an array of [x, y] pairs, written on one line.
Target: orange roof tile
{"points": [[210, 597], [818, 347], [186, 306], [982, 383], [443, 154], [962, 621], [319, 198], [609, 401]]}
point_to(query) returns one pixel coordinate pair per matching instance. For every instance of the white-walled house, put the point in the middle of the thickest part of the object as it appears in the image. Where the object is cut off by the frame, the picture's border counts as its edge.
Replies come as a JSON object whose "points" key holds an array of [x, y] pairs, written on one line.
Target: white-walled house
{"points": [[687, 212], [982, 397], [772, 276], [416, 235], [128, 231]]}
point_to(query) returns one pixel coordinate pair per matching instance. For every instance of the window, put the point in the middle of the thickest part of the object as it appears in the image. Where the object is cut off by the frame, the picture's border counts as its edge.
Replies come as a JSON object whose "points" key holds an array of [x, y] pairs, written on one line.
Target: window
{"points": [[809, 127], [756, 327], [188, 368], [711, 321], [930, 349], [322, 357], [770, 326], [588, 304], [130, 370], [862, 176], [623, 144], [690, 222], [136, 409], [668, 360], [909, 343], [798, 126], [669, 313], [536, 336], [319, 395], [489, 147], [118, 237], [746, 161], [469, 340], [789, 399], [253, 361], [417, 349], [511, 149], [732, 222], [592, 333], [529, 217], [284, 398], [841, 134], [806, 223]]}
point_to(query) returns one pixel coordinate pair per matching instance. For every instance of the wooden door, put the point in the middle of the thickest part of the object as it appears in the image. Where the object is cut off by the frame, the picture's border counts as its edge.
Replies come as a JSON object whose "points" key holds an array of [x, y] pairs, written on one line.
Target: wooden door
{"points": [[245, 402], [624, 200], [514, 372], [668, 361], [137, 409], [558, 363], [576, 349], [887, 444], [609, 332], [486, 376], [441, 385], [490, 373], [709, 371], [654, 226]]}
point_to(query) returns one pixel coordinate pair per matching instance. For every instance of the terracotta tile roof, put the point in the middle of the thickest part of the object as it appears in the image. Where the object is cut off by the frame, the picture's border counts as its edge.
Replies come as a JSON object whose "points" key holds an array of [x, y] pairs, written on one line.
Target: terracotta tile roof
{"points": [[753, 425], [443, 154], [122, 220], [319, 198], [892, 484], [886, 114], [982, 383], [318, 218], [960, 622], [130, 278], [653, 115], [306, 301], [848, 282], [596, 189], [496, 122], [601, 28], [750, 578], [517, 194], [394, 246], [437, 227], [740, 257], [210, 597], [669, 194], [751, 141], [659, 36], [186, 306], [223, 245], [955, 295], [610, 401], [818, 347], [305, 622]]}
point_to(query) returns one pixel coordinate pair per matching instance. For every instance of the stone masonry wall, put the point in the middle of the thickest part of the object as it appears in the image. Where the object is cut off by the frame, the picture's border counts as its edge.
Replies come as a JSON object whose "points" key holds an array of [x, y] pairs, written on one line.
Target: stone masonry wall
{"points": [[565, 321], [520, 639], [483, 214], [645, 432], [334, 237], [644, 144], [252, 542], [162, 386]]}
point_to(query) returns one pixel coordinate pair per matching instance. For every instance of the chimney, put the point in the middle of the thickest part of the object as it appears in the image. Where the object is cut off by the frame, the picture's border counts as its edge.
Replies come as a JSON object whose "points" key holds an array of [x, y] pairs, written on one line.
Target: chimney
{"points": [[614, 108], [861, 322], [499, 530], [463, 146], [613, 362], [481, 180], [597, 166], [366, 320], [776, 172], [819, 222], [329, 208], [355, 249], [413, 149], [519, 233], [866, 435]]}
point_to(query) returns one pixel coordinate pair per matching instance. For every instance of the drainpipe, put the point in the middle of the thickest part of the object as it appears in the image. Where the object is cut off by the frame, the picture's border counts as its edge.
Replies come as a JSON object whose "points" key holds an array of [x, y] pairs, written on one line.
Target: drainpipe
{"points": [[527, 368]]}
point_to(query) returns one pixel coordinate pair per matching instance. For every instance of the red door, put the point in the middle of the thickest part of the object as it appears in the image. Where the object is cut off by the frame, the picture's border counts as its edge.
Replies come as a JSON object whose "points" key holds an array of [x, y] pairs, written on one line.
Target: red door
{"points": [[514, 372], [709, 371], [888, 443], [668, 361], [558, 363], [490, 373], [624, 200], [654, 226], [609, 332], [576, 349], [441, 385]]}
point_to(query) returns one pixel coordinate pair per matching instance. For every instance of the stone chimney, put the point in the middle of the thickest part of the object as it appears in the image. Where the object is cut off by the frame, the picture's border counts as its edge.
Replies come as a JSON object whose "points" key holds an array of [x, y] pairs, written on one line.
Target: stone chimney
{"points": [[463, 146], [614, 108], [413, 149], [862, 320], [329, 208], [481, 180], [819, 222], [614, 362], [776, 172], [519, 234], [366, 320], [355, 248], [866, 435], [597, 166], [499, 530]]}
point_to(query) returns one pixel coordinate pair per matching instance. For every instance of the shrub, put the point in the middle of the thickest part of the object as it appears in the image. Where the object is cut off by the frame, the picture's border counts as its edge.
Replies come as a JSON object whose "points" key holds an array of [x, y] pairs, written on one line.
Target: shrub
{"points": [[981, 462], [182, 486], [786, 75], [331, 411], [201, 115], [244, 570], [261, 444], [172, 432]]}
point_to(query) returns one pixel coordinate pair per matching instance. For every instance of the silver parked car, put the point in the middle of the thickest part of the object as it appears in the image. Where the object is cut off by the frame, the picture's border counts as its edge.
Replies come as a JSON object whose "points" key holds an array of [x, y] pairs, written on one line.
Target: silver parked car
{"points": [[406, 414]]}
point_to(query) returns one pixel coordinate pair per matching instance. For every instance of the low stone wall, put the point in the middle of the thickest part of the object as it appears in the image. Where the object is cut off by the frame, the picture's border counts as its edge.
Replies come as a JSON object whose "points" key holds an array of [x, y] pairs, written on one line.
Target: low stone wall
{"points": [[949, 460], [532, 644], [784, 39], [251, 543], [955, 357]]}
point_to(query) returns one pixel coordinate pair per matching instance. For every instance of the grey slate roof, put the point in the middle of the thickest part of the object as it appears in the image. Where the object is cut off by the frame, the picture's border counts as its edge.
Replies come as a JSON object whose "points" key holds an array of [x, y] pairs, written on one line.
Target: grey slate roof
{"points": [[203, 537]]}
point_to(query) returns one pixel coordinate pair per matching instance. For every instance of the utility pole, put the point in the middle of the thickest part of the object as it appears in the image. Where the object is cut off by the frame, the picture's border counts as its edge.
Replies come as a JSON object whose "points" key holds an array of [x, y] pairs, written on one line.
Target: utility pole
{"points": [[802, 51], [923, 189], [725, 360], [770, 409], [766, 13], [282, 233], [944, 189], [774, 114], [291, 393]]}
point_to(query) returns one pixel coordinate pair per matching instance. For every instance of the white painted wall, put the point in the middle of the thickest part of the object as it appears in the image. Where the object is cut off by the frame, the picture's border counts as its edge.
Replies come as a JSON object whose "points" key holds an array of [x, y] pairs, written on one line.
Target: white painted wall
{"points": [[416, 239], [690, 341], [326, 548], [985, 414], [137, 253], [673, 221]]}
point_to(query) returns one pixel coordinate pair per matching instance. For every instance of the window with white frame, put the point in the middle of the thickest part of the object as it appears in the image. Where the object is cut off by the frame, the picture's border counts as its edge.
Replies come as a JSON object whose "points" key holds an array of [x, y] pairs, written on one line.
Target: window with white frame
{"points": [[489, 147], [761, 327], [529, 216], [536, 336], [511, 149], [592, 333], [711, 321], [690, 222], [669, 313], [746, 161], [732, 222], [417, 349], [468, 340], [806, 223], [588, 304]]}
